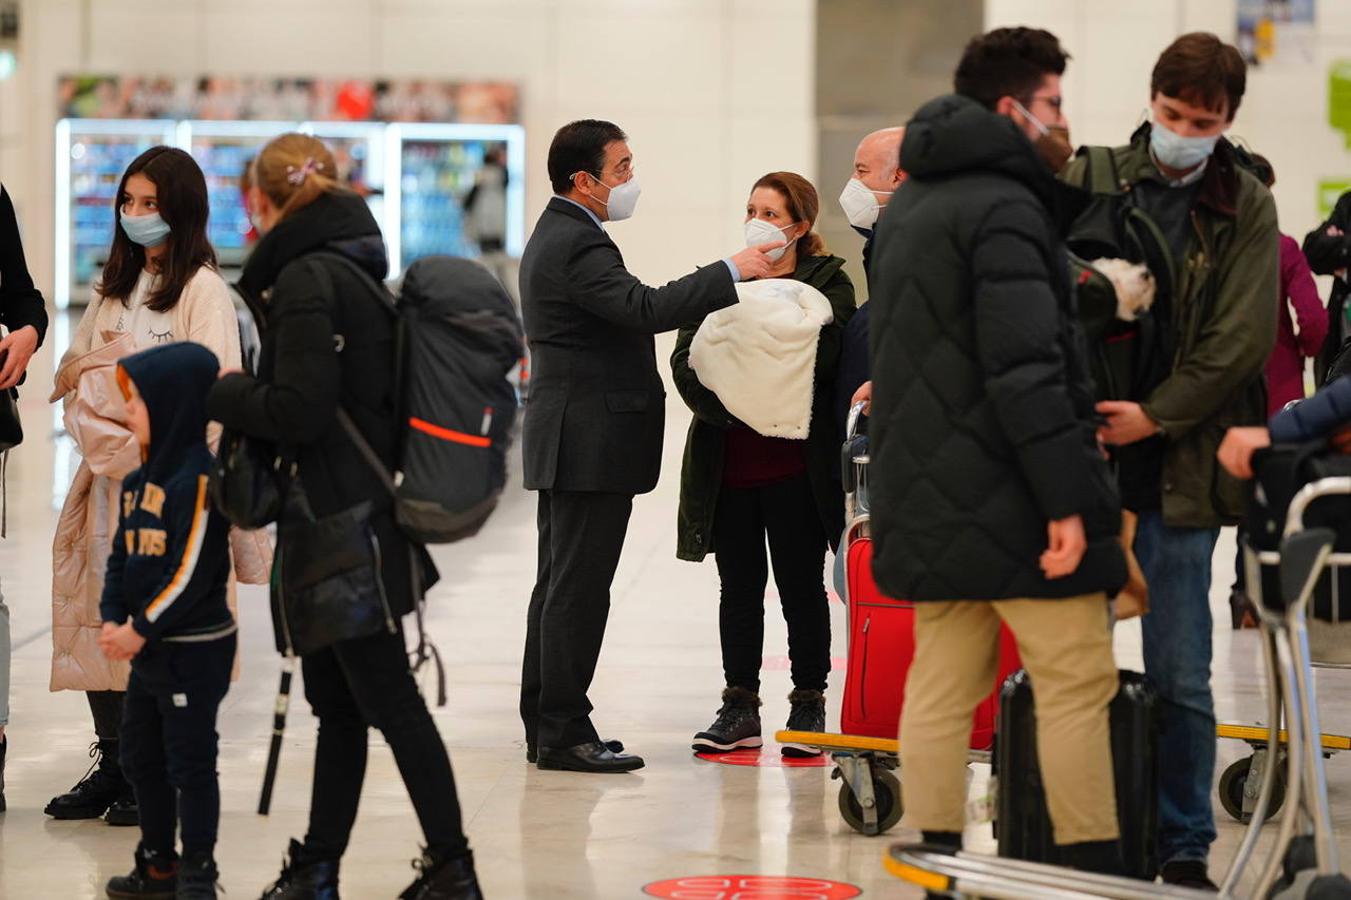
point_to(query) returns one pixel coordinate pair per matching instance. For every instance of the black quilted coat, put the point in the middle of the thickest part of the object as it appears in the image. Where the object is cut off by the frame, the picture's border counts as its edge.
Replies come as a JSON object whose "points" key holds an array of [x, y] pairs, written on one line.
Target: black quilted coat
{"points": [[982, 424]]}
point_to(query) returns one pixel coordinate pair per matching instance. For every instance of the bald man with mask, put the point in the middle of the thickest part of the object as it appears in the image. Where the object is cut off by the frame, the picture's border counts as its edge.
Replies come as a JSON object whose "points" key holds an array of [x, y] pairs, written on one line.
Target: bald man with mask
{"points": [[877, 177]]}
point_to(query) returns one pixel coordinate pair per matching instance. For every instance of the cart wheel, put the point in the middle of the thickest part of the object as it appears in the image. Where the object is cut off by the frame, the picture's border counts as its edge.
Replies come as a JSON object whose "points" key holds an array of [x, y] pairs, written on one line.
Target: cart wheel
{"points": [[887, 794], [1231, 789]]}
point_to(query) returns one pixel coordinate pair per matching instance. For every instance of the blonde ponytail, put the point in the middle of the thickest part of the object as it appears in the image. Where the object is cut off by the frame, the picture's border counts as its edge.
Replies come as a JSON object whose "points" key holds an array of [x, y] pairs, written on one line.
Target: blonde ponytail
{"points": [[294, 170]]}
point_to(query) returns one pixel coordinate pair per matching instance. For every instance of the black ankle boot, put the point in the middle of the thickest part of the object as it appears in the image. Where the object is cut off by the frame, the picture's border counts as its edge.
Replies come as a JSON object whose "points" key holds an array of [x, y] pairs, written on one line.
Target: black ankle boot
{"points": [[1101, 857], [155, 875], [4, 749], [197, 877], [806, 712], [444, 878], [100, 788], [304, 877], [124, 810]]}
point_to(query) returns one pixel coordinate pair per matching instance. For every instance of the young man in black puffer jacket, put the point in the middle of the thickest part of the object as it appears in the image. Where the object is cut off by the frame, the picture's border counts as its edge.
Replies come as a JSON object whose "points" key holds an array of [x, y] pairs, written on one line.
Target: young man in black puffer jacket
{"points": [[991, 498]]}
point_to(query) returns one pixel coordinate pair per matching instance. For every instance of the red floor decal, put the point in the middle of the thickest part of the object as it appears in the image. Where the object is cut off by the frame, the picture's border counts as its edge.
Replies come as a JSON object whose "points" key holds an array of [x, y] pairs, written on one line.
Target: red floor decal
{"points": [[771, 758], [751, 887]]}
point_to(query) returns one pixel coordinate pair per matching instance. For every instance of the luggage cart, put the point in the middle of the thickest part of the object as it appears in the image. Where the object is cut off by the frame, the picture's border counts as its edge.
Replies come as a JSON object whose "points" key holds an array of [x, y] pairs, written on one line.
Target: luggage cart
{"points": [[1303, 859], [1329, 648]]}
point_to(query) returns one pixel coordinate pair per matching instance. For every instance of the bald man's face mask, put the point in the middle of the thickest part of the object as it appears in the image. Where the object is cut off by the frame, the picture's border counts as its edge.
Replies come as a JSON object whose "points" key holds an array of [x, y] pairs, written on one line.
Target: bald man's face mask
{"points": [[860, 205]]}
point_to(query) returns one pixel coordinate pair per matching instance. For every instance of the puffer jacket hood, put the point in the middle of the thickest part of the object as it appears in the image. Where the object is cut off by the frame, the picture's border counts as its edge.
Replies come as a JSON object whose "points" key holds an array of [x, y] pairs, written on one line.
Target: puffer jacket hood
{"points": [[173, 381], [952, 135], [339, 222]]}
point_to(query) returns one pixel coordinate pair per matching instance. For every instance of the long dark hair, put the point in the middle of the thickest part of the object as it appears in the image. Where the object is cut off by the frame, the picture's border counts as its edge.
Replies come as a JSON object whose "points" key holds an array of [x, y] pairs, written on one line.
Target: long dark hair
{"points": [[181, 190]]}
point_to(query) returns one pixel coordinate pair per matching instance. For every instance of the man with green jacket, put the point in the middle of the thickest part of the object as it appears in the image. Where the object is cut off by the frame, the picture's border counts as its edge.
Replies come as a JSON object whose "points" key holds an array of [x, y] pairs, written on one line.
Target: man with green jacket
{"points": [[1220, 222]]}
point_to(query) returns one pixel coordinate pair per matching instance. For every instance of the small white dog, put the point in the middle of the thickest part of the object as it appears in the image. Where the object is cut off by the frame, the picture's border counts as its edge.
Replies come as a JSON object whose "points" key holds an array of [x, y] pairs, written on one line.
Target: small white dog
{"points": [[1134, 285]]}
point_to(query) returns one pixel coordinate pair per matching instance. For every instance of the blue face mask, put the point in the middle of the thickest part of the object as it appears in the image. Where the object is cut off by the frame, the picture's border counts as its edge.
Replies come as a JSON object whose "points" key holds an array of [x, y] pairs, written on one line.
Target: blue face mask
{"points": [[1178, 152], [148, 231]]}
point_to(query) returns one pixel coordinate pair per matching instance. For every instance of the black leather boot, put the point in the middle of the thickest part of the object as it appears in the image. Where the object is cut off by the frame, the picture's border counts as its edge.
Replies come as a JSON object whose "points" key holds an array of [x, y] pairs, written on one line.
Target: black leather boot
{"points": [[4, 748], [303, 877], [100, 788], [444, 878], [155, 875]]}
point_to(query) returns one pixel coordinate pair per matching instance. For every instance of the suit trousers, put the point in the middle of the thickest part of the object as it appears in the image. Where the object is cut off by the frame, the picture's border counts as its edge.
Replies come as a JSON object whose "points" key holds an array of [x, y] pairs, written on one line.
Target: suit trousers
{"points": [[1066, 646], [581, 534]]}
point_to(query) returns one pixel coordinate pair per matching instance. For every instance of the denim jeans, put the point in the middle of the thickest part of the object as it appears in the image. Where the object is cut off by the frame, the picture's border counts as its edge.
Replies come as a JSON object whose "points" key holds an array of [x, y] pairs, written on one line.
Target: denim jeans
{"points": [[1176, 563]]}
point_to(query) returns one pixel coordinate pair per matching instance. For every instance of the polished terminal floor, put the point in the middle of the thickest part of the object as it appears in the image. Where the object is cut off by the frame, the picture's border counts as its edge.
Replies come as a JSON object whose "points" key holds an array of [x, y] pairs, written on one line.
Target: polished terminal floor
{"points": [[535, 834]]}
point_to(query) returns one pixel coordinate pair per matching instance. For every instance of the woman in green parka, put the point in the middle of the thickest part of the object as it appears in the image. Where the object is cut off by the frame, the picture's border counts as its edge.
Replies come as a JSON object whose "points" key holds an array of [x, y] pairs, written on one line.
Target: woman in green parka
{"points": [[740, 490]]}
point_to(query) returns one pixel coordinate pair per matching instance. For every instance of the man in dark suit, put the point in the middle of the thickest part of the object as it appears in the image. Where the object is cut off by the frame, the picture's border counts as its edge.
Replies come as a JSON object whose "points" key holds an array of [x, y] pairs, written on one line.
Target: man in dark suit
{"points": [[593, 424]]}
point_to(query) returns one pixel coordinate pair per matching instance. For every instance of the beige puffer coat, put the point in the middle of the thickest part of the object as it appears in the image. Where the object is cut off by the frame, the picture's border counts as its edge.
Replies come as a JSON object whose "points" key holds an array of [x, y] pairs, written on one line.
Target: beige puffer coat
{"points": [[94, 415]]}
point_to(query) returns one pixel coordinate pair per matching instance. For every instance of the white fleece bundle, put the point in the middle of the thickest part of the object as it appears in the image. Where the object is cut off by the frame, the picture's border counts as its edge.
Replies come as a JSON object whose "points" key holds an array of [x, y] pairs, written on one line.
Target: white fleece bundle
{"points": [[759, 355]]}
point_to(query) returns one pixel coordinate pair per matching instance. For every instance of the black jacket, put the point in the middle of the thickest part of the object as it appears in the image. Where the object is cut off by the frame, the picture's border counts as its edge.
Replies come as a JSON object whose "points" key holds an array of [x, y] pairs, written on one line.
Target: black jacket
{"points": [[322, 349], [596, 412], [171, 558], [1327, 254], [982, 424], [701, 473], [20, 302]]}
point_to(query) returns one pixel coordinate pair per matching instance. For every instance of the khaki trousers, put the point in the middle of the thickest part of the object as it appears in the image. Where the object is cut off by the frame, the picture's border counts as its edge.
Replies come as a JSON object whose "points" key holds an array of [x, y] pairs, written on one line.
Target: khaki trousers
{"points": [[1066, 647]]}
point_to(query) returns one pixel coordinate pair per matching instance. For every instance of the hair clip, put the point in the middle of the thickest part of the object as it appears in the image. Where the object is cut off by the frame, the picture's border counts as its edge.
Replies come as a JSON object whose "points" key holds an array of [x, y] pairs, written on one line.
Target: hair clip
{"points": [[297, 176]]}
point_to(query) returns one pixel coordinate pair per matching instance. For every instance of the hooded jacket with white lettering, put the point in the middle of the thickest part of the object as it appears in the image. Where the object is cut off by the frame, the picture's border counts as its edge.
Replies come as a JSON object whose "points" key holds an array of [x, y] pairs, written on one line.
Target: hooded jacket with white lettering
{"points": [[170, 559]]}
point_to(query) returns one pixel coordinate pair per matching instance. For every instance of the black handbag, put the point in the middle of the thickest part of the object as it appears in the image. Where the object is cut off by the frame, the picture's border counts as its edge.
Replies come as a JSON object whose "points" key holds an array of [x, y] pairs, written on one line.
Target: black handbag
{"points": [[11, 427], [11, 436], [245, 482], [326, 582]]}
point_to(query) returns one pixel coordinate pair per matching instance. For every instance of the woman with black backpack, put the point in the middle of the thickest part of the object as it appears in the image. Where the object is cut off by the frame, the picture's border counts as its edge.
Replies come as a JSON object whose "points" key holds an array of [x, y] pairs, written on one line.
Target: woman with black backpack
{"points": [[327, 365]]}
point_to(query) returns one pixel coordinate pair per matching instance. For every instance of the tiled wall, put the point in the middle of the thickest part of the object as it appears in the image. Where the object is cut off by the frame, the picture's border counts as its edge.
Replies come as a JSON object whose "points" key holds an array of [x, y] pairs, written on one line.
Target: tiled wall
{"points": [[713, 93], [1115, 45]]}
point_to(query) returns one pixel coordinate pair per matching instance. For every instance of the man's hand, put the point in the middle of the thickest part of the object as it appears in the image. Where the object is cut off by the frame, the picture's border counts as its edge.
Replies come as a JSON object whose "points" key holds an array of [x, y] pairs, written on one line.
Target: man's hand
{"points": [[864, 395], [1065, 547], [17, 349], [753, 262], [1126, 423], [1237, 448], [223, 372], [120, 642]]}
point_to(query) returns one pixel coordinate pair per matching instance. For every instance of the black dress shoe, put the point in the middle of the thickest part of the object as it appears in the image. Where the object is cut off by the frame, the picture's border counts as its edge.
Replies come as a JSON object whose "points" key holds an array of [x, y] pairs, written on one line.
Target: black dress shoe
{"points": [[532, 754], [592, 757]]}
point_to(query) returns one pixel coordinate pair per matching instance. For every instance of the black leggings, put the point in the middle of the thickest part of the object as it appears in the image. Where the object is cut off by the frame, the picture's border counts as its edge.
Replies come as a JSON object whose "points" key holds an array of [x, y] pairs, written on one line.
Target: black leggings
{"points": [[107, 709], [352, 686], [786, 514]]}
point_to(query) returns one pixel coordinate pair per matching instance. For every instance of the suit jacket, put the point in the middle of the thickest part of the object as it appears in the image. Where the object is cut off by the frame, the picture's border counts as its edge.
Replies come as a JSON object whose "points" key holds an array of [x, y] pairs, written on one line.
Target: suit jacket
{"points": [[596, 413]]}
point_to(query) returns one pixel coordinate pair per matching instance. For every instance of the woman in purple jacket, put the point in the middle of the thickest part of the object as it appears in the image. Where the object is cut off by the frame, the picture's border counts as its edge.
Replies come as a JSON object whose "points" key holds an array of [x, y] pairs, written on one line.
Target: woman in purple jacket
{"points": [[1285, 367]]}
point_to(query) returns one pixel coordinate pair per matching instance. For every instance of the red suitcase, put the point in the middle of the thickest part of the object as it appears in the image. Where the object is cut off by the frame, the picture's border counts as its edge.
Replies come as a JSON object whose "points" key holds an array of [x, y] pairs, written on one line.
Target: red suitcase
{"points": [[881, 646]]}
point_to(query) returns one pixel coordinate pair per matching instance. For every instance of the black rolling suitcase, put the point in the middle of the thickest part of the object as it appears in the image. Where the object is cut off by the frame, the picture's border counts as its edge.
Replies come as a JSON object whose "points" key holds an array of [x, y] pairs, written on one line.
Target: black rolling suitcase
{"points": [[1023, 823]]}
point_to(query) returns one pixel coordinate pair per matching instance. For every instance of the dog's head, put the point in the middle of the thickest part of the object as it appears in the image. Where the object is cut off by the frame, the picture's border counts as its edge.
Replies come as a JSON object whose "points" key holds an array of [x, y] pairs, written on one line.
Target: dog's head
{"points": [[1134, 284]]}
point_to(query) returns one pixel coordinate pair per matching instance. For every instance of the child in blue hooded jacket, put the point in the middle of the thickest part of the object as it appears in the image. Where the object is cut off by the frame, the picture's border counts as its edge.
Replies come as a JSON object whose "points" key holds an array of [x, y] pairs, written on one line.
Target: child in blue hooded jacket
{"points": [[164, 609]]}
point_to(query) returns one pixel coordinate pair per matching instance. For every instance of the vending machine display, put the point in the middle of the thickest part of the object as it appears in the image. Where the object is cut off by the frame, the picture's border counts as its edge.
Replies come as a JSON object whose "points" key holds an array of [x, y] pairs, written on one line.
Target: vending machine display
{"points": [[438, 167], [415, 177], [222, 149]]}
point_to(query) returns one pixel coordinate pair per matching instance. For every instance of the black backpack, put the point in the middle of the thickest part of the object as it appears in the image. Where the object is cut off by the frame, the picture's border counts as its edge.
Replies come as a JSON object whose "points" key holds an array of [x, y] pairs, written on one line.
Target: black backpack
{"points": [[1128, 359], [459, 339]]}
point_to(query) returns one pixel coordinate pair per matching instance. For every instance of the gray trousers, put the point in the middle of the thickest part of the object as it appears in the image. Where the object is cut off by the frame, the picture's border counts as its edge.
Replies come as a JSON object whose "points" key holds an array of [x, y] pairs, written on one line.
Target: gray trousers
{"points": [[6, 650]]}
